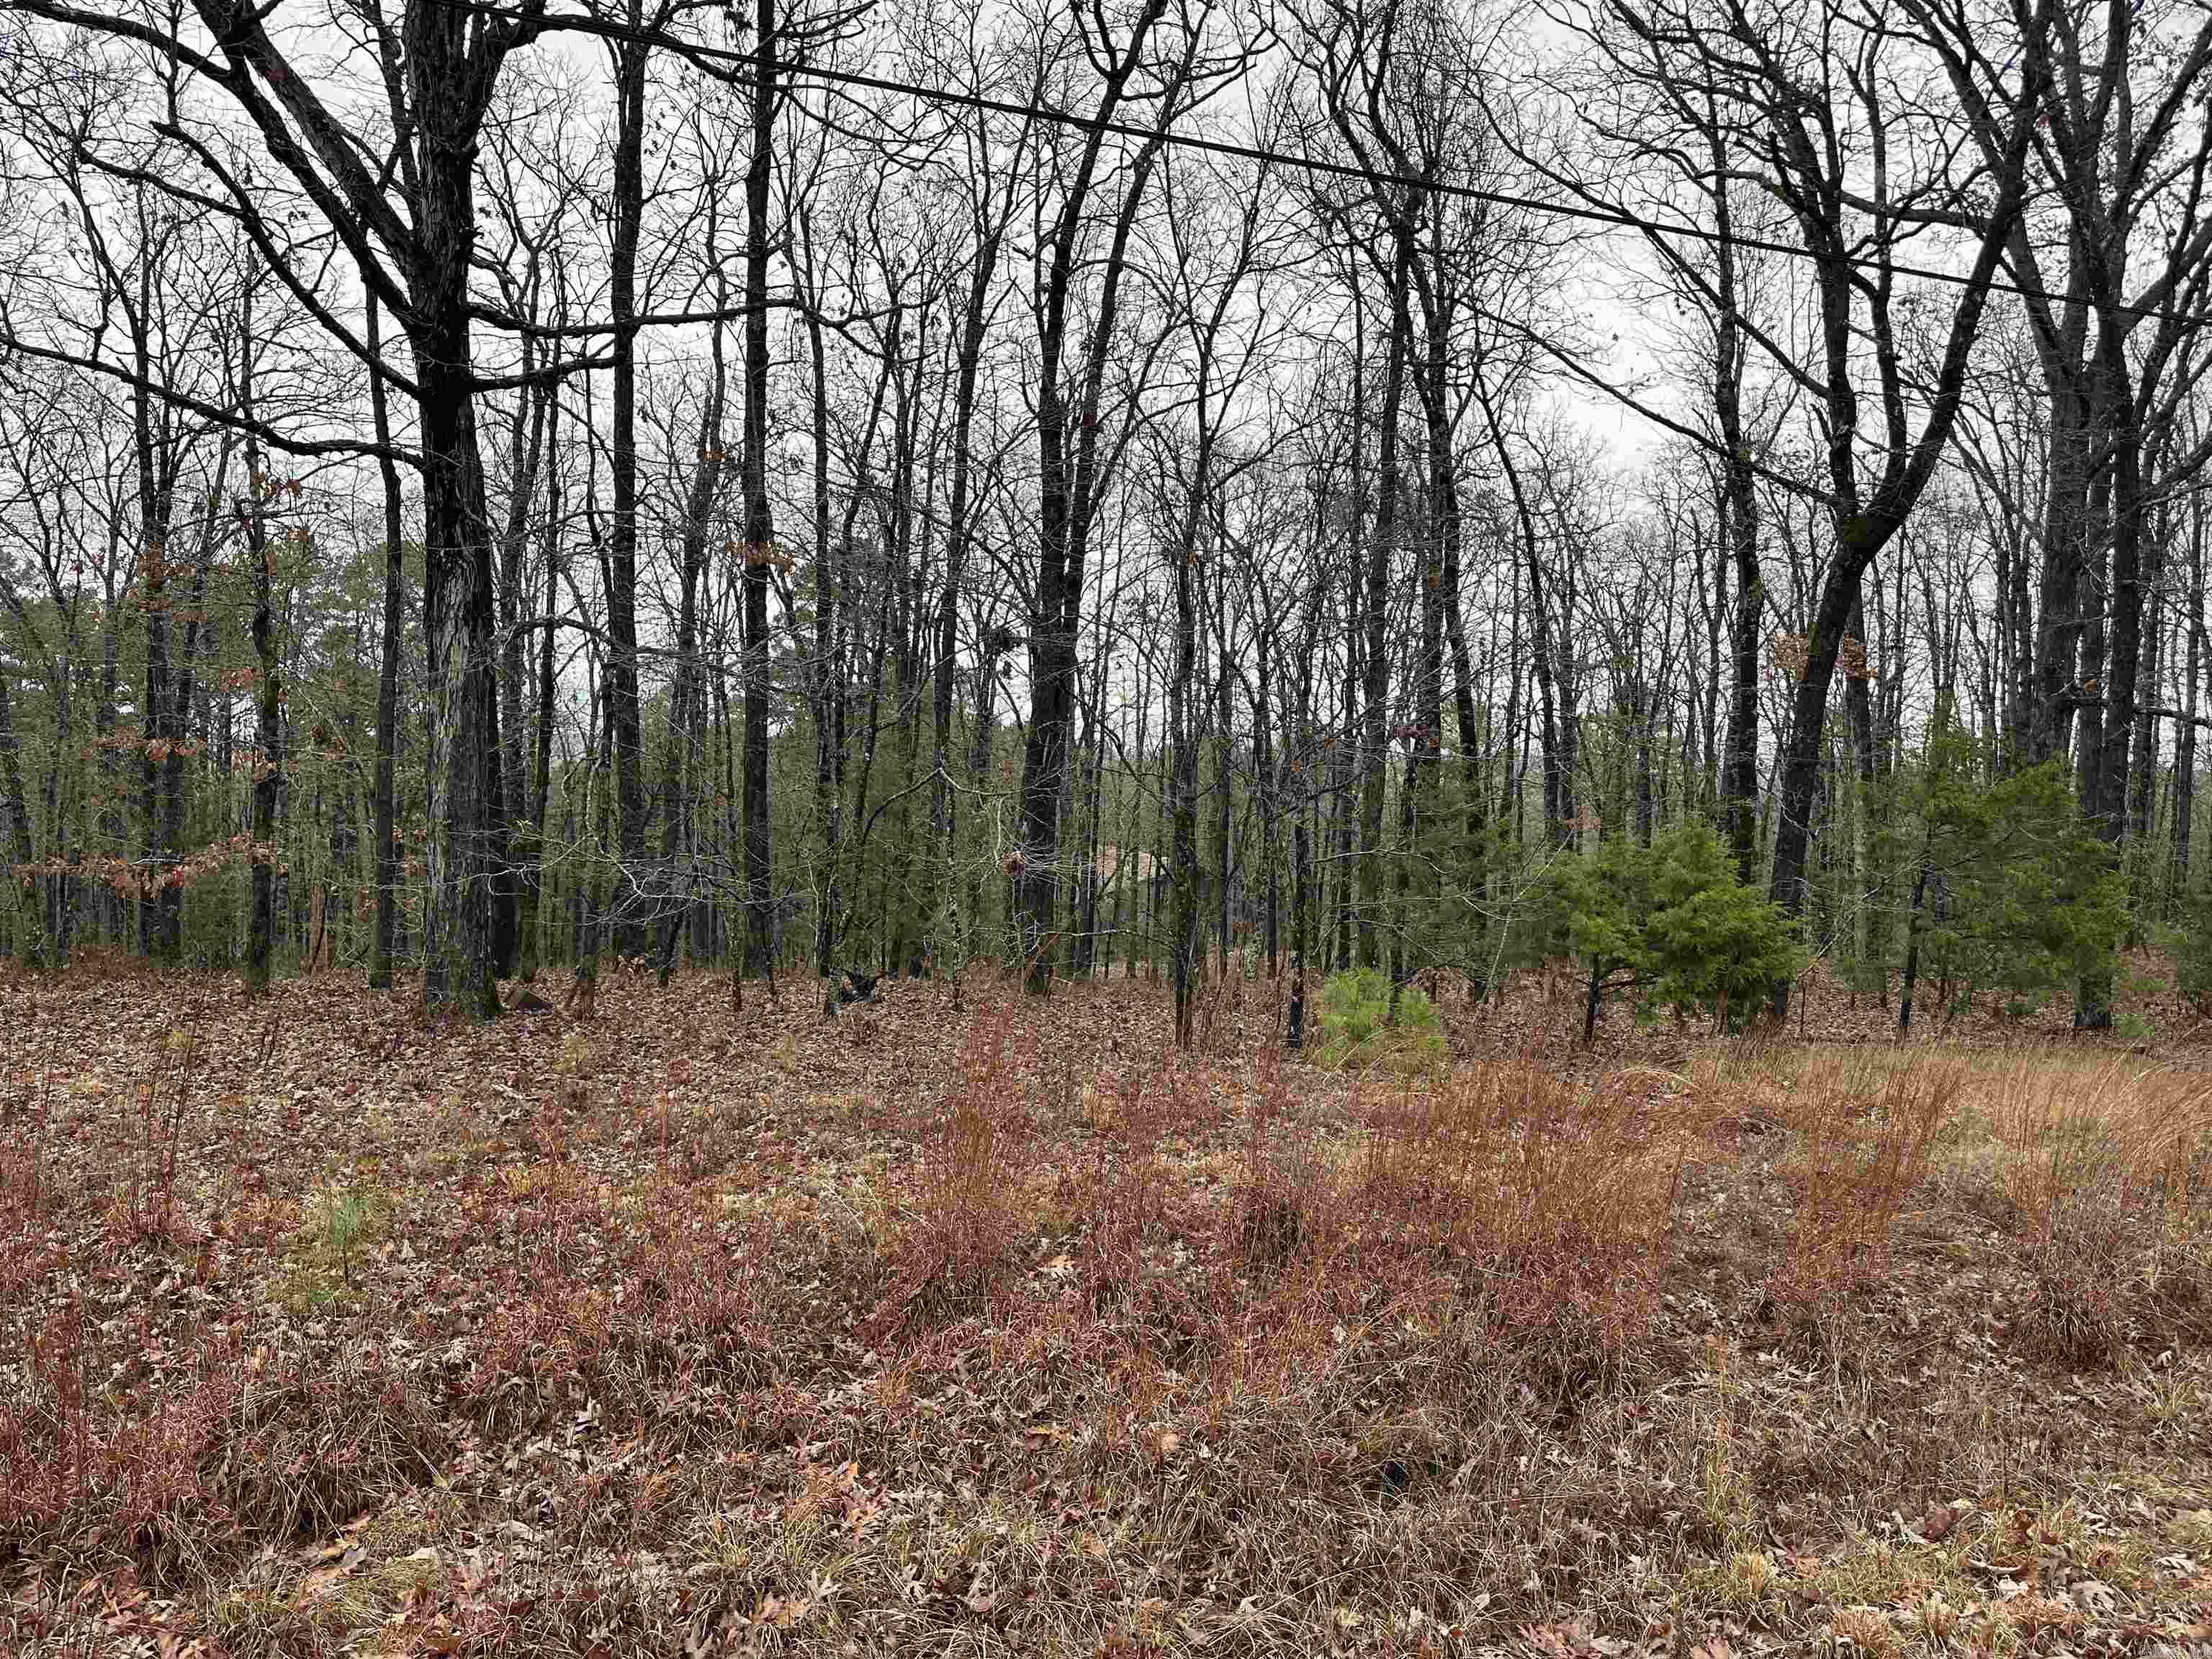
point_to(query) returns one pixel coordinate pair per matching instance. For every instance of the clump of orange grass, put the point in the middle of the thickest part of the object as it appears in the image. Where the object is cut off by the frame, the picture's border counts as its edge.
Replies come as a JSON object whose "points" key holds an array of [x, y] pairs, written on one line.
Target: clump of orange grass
{"points": [[1867, 1139], [1284, 1296], [1558, 1197], [966, 1217], [2108, 1171], [2142, 1135]]}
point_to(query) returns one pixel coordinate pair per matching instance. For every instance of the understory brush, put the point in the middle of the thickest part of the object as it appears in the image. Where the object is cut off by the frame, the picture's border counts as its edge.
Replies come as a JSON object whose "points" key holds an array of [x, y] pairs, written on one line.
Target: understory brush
{"points": [[1551, 1198], [2107, 1174], [768, 1343], [964, 1216], [1864, 1142], [1133, 1213], [78, 1472]]}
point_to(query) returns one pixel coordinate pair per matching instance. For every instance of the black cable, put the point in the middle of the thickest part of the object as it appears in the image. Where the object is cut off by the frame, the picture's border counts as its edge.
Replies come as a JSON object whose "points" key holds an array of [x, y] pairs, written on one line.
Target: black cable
{"points": [[1613, 218]]}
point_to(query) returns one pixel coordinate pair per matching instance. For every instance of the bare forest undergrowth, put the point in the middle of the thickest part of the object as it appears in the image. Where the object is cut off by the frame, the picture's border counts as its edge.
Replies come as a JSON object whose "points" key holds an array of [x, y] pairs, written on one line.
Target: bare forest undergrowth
{"points": [[679, 1330]]}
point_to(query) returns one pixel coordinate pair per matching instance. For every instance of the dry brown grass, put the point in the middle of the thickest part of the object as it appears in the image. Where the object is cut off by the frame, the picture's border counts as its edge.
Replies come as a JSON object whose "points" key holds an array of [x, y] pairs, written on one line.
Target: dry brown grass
{"points": [[1864, 1145], [754, 1349], [1557, 1196], [2106, 1169], [958, 1226]]}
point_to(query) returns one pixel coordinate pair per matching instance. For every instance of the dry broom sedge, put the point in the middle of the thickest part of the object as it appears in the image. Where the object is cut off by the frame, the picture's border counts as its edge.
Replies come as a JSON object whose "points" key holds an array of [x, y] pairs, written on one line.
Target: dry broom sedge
{"points": [[1014, 1332]]}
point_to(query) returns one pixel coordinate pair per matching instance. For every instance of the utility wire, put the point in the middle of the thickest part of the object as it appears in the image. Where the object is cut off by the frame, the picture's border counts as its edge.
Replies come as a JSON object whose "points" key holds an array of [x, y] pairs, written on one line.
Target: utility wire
{"points": [[1612, 218]]}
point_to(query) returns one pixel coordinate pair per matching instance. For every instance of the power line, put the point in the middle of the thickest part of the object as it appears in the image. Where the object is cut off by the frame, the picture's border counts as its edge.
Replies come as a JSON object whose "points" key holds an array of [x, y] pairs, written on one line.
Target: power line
{"points": [[1610, 217]]}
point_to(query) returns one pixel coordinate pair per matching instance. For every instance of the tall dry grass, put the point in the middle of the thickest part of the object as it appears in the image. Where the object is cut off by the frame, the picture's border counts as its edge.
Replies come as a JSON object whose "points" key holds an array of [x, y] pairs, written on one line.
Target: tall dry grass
{"points": [[1866, 1139], [2106, 1169], [967, 1212], [1558, 1195], [2098, 1164]]}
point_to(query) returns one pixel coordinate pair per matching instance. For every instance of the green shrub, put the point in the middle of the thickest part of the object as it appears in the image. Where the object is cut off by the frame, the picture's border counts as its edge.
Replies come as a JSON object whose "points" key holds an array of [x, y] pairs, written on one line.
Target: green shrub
{"points": [[2020, 895], [1669, 922], [1358, 1032]]}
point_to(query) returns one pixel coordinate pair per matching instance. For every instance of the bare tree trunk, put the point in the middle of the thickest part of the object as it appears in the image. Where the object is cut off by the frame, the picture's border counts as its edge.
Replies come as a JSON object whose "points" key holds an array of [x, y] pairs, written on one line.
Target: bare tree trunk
{"points": [[1738, 504], [269, 704], [387, 855], [159, 910], [1183, 792], [829, 677], [759, 525], [1374, 725], [632, 58], [1064, 507], [2184, 744], [530, 877], [15, 812], [969, 356], [687, 701], [1300, 873]]}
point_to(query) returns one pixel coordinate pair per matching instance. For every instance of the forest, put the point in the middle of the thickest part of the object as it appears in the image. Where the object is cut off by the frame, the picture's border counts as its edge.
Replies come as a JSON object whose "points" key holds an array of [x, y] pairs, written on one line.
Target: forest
{"points": [[1105, 827], [1184, 488]]}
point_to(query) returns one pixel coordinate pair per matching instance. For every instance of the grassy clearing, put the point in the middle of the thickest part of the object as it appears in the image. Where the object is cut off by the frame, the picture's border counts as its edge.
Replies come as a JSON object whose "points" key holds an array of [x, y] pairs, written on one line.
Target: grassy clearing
{"points": [[1006, 1331]]}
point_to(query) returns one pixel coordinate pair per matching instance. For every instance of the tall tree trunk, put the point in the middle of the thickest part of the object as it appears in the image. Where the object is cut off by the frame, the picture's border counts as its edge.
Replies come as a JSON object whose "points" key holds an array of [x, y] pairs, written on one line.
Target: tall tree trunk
{"points": [[1182, 790], [829, 676], [1265, 781], [2144, 755], [1374, 724], [15, 818], [386, 854], [687, 702], [1858, 702], [525, 450], [2184, 743], [979, 759], [269, 704], [968, 360], [2121, 496], [529, 886], [159, 912], [759, 525], [1064, 507], [460, 962], [631, 59], [1737, 503], [1295, 1019]]}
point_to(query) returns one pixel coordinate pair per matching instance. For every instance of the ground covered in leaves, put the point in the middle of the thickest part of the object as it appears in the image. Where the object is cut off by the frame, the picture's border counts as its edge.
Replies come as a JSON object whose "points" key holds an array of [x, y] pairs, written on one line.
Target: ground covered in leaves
{"points": [[995, 1328]]}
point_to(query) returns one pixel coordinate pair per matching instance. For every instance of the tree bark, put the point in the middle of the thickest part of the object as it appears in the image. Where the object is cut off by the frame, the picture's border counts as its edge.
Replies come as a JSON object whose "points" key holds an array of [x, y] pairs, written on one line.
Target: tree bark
{"points": [[15, 813], [1063, 510], [759, 533], [386, 853]]}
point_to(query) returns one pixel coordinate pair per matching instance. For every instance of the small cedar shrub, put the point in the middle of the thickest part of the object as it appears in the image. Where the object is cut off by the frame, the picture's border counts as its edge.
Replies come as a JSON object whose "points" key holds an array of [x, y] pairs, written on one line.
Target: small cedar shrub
{"points": [[1358, 1033]]}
